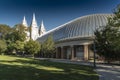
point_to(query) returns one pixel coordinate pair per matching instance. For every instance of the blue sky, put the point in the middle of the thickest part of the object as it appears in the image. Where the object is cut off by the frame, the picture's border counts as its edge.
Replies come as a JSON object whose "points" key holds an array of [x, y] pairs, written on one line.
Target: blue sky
{"points": [[52, 12]]}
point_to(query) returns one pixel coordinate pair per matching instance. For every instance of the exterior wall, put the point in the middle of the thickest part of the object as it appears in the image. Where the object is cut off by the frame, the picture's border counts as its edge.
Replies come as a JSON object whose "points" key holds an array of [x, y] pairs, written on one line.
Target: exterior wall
{"points": [[34, 33], [79, 52], [74, 51], [68, 53]]}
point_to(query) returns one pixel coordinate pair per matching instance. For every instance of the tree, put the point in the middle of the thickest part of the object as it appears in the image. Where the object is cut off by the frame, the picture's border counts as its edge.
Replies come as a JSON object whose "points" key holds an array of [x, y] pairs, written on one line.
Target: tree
{"points": [[18, 33], [32, 47], [4, 30], [3, 46], [107, 39], [16, 36], [48, 47], [11, 48], [19, 47], [20, 28]]}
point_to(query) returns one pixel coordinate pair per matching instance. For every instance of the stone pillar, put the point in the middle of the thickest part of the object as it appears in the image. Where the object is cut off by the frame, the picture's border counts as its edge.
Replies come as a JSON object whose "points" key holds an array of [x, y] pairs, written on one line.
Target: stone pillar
{"points": [[86, 52], [62, 53], [72, 52], [57, 52]]}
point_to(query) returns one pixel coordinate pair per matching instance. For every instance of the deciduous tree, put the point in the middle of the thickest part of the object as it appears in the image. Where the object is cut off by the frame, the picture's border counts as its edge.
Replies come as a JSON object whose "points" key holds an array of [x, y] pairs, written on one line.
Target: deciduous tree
{"points": [[3, 46], [32, 47]]}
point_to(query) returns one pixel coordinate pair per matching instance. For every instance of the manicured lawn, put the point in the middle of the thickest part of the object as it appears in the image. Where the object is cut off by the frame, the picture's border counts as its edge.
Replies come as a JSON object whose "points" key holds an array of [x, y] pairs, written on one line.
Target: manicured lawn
{"points": [[17, 68]]}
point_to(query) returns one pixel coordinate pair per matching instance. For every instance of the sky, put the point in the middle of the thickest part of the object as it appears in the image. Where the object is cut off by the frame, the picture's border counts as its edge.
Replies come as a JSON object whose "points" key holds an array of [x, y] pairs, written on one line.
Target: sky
{"points": [[53, 12]]}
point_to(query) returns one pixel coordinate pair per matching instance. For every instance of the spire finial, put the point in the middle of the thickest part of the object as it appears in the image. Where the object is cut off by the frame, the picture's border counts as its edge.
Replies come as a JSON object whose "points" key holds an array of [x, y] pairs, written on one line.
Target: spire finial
{"points": [[42, 28], [34, 22], [42, 23], [34, 17], [24, 22], [24, 18]]}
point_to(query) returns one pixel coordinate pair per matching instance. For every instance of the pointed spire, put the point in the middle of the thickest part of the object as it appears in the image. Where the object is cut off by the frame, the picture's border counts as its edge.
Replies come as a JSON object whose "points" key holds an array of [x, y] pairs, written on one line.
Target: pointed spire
{"points": [[34, 17], [34, 22], [42, 28], [34, 28], [24, 22]]}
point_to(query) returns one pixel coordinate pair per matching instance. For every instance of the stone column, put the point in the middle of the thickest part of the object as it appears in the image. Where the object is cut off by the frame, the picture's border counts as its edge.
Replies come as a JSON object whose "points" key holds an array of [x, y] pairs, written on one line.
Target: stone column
{"points": [[86, 52], [62, 53], [72, 52], [57, 52]]}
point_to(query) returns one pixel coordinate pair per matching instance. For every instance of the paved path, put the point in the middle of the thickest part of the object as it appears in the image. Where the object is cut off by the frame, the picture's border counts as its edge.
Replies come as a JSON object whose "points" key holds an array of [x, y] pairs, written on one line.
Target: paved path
{"points": [[106, 72], [72, 62]]}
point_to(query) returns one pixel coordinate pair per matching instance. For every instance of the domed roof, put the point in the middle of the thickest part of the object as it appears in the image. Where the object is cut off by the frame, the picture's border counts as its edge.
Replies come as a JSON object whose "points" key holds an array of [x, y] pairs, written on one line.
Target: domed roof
{"points": [[81, 27]]}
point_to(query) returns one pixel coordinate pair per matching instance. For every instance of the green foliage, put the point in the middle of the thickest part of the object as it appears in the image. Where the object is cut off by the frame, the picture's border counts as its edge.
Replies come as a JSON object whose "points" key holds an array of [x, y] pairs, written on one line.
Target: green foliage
{"points": [[4, 29], [20, 28], [3, 46], [48, 47], [19, 46], [11, 48], [18, 33], [15, 36], [16, 47], [32, 47], [107, 39]]}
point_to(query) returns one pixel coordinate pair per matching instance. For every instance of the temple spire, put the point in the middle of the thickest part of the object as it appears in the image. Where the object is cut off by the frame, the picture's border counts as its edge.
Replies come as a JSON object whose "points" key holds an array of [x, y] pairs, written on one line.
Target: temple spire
{"points": [[34, 22], [24, 22], [34, 28], [42, 28]]}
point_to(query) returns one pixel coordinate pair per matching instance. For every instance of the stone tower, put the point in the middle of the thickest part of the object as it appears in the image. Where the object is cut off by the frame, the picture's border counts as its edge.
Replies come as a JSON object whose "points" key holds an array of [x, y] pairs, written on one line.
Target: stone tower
{"points": [[42, 29], [24, 22], [34, 28], [33, 32]]}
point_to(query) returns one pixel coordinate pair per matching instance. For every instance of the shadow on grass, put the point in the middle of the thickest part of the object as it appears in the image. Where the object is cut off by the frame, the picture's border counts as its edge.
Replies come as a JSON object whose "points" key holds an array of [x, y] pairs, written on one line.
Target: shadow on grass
{"points": [[27, 72]]}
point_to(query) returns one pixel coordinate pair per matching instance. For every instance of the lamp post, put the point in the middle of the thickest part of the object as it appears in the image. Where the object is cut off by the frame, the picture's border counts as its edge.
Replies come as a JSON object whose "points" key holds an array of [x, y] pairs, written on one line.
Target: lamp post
{"points": [[94, 47]]}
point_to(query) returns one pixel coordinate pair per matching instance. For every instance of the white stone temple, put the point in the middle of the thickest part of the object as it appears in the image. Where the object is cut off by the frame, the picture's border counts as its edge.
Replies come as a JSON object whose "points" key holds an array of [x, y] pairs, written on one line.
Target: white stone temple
{"points": [[34, 31]]}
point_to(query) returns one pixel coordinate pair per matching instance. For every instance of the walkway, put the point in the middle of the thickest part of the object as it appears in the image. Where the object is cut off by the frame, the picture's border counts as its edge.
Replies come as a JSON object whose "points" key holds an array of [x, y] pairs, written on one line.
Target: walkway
{"points": [[72, 62], [106, 72]]}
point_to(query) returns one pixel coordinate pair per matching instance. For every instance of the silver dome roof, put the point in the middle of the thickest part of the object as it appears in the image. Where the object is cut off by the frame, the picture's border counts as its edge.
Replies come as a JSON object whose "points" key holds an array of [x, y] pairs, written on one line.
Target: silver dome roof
{"points": [[81, 27]]}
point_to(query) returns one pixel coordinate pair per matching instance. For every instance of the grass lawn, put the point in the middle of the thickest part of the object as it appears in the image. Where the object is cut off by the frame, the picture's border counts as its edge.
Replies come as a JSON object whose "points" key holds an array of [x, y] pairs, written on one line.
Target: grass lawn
{"points": [[17, 68]]}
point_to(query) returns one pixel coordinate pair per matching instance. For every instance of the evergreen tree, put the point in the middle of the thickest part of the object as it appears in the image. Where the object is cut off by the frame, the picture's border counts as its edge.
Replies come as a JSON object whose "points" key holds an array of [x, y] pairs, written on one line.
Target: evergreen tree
{"points": [[107, 39], [48, 47]]}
